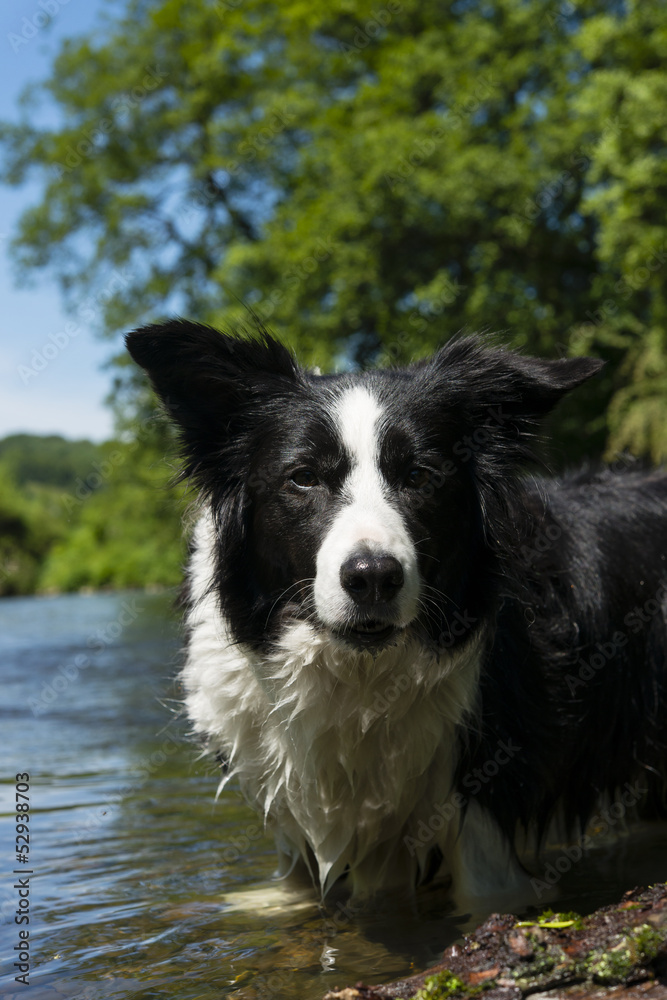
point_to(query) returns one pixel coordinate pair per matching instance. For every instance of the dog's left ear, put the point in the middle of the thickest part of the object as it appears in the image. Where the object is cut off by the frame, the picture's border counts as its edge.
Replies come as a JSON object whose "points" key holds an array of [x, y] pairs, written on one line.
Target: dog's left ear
{"points": [[537, 384], [501, 396], [524, 387]]}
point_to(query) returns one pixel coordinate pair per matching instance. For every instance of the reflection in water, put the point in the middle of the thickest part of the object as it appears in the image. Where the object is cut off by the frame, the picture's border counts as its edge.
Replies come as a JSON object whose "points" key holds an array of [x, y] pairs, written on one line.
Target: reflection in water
{"points": [[144, 886]]}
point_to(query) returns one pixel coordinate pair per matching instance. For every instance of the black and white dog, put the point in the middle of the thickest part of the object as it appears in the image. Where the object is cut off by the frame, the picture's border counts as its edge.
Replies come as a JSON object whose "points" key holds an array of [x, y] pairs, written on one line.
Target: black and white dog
{"points": [[414, 657]]}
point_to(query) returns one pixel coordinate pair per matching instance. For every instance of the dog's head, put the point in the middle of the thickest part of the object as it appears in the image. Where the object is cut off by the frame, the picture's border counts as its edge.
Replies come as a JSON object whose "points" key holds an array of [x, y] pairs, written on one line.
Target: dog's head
{"points": [[367, 503]]}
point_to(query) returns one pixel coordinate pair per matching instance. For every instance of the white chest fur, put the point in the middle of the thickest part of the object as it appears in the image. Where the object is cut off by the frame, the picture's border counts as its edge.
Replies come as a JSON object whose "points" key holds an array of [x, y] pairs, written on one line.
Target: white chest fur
{"points": [[343, 751]]}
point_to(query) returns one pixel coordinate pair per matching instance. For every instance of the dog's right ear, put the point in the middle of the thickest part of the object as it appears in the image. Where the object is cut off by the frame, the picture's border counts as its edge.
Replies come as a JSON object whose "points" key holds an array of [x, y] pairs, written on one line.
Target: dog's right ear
{"points": [[206, 378]]}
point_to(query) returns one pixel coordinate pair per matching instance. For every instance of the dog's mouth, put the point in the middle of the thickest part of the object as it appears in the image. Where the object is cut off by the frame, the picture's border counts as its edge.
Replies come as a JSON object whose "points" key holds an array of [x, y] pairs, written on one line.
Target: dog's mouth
{"points": [[369, 633]]}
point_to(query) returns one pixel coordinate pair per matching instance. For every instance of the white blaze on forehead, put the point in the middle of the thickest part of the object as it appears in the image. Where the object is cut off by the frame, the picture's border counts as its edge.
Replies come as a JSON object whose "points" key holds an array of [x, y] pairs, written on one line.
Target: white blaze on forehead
{"points": [[359, 425], [368, 521], [357, 416]]}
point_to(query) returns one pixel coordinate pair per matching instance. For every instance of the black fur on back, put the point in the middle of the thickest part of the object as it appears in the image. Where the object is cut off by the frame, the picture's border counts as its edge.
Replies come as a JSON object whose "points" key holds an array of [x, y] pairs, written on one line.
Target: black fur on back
{"points": [[577, 672]]}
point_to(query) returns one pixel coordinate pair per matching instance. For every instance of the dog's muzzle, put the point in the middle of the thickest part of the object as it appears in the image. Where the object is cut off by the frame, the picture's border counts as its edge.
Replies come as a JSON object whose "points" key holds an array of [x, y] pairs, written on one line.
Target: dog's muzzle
{"points": [[372, 581]]}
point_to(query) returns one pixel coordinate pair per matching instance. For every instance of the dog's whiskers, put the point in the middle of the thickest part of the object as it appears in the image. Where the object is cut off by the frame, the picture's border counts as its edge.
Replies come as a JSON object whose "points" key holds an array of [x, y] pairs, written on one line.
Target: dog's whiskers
{"points": [[283, 594]]}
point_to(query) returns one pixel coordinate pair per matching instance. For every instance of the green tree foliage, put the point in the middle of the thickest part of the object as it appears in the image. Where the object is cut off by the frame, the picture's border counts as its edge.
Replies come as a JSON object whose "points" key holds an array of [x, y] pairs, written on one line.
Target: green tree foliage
{"points": [[372, 176], [116, 523], [127, 529], [51, 460], [30, 523]]}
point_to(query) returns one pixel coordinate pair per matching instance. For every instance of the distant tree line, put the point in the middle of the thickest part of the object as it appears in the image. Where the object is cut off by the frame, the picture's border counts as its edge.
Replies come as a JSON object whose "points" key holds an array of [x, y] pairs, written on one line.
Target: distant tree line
{"points": [[75, 515]]}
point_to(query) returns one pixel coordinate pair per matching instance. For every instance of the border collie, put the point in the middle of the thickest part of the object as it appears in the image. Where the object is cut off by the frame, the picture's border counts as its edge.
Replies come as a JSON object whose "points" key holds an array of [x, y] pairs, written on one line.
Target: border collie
{"points": [[414, 656]]}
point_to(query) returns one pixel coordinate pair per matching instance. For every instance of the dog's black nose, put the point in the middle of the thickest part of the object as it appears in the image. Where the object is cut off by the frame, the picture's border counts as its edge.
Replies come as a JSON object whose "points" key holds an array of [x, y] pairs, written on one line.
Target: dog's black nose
{"points": [[370, 579]]}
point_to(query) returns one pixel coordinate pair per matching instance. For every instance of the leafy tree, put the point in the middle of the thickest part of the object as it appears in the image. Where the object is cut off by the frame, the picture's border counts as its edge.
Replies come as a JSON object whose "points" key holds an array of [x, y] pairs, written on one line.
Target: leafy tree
{"points": [[125, 521], [50, 460], [371, 178], [30, 524], [116, 524]]}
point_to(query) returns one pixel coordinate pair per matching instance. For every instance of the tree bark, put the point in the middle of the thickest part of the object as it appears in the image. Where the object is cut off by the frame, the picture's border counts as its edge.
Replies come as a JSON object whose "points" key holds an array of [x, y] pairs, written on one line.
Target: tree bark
{"points": [[617, 953]]}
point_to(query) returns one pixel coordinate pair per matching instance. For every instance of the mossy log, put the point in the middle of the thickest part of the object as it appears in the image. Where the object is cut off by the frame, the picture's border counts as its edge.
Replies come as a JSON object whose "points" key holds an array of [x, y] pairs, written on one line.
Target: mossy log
{"points": [[617, 953]]}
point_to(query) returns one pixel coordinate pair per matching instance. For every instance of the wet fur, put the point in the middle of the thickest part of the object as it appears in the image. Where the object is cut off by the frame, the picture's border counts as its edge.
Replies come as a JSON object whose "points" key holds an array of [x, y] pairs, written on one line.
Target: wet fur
{"points": [[519, 583]]}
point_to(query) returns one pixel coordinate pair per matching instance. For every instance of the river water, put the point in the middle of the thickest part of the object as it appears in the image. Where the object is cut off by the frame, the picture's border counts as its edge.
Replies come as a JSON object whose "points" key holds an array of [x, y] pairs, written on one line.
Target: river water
{"points": [[142, 885]]}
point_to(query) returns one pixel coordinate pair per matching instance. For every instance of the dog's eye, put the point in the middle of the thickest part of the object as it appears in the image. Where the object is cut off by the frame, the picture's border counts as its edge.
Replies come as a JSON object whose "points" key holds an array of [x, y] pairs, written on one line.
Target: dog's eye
{"points": [[418, 478], [304, 478]]}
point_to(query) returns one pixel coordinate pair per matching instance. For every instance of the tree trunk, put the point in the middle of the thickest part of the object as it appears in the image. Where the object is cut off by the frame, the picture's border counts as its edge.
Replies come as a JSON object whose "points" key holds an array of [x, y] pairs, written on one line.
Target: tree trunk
{"points": [[619, 952]]}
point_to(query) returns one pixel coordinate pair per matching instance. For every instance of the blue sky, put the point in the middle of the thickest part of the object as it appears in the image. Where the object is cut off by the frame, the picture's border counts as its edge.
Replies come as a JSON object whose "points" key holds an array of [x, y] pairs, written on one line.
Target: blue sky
{"points": [[66, 395]]}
